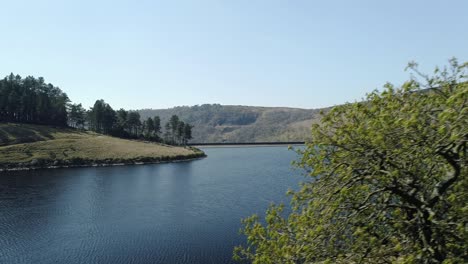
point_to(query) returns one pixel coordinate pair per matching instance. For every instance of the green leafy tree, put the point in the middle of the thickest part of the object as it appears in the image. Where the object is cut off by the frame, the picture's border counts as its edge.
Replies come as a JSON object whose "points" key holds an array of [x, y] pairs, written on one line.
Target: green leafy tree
{"points": [[149, 127], [101, 117], [388, 182], [157, 125], [171, 130], [122, 116], [134, 122], [144, 128], [176, 131], [96, 116], [187, 133], [168, 138], [31, 100], [76, 116], [180, 132], [109, 119], [174, 124]]}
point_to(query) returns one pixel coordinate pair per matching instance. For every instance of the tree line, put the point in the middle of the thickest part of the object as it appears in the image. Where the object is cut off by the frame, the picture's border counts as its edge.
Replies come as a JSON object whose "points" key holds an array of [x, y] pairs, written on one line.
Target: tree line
{"points": [[31, 100], [102, 118]]}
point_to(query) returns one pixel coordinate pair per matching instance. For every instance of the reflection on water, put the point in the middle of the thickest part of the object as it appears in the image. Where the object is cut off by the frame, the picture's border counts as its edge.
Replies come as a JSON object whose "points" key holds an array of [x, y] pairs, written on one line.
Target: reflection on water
{"points": [[163, 213]]}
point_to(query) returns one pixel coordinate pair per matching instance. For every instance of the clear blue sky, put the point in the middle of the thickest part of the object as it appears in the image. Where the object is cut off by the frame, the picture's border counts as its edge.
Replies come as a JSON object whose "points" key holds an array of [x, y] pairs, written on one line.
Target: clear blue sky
{"points": [[158, 54]]}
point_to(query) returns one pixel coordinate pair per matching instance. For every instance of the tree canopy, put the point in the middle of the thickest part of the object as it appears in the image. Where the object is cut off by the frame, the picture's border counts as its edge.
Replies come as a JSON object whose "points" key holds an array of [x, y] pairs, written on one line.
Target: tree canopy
{"points": [[103, 119], [76, 116], [387, 181], [31, 100], [177, 131]]}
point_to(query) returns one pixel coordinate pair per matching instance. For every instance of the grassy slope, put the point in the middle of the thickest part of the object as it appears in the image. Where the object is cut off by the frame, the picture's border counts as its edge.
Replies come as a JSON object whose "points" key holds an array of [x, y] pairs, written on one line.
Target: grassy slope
{"points": [[23, 144]]}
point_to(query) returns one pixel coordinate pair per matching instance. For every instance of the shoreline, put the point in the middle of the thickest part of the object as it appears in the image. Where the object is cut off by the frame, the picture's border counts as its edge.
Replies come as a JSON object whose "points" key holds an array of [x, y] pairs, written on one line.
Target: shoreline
{"points": [[244, 145], [97, 164]]}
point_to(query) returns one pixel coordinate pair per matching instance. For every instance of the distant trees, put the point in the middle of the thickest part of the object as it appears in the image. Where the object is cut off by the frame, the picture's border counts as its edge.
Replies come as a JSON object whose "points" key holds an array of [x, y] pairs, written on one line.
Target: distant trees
{"points": [[187, 133], [149, 128], [157, 125], [133, 122], [177, 132], [152, 128], [76, 116], [102, 118], [31, 100], [122, 123]]}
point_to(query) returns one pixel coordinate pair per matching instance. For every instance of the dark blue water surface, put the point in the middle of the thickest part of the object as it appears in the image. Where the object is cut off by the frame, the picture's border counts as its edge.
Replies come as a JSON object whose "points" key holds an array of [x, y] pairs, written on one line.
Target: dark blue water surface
{"points": [[163, 213]]}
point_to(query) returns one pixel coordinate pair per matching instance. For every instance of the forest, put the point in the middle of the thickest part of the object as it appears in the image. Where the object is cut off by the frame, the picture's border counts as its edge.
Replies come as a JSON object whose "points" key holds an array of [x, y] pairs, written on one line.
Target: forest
{"points": [[33, 101], [215, 123]]}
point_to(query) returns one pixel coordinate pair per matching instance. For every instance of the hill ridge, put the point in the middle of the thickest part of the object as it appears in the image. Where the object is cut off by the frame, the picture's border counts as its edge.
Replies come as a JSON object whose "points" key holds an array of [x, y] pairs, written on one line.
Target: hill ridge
{"points": [[216, 123]]}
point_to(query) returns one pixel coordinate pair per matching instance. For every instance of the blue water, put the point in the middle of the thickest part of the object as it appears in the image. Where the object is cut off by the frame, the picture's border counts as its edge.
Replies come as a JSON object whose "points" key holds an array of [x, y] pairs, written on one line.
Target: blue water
{"points": [[163, 213]]}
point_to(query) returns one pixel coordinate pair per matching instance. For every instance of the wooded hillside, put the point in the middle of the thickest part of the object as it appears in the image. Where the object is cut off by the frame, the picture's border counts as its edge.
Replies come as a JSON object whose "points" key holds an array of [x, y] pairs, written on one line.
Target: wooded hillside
{"points": [[214, 123]]}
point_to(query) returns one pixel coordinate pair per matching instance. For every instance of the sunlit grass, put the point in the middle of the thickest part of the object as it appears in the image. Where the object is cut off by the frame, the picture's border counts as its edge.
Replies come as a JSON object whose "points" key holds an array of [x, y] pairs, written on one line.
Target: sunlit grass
{"points": [[55, 144]]}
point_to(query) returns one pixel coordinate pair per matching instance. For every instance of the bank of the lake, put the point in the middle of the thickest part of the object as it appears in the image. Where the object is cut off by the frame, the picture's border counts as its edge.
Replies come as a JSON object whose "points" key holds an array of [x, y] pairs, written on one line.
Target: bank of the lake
{"points": [[248, 144], [25, 147]]}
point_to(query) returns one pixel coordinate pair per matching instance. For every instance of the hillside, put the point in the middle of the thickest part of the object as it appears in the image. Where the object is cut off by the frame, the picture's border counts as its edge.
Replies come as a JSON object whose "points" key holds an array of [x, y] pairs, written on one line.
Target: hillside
{"points": [[41, 146], [236, 124]]}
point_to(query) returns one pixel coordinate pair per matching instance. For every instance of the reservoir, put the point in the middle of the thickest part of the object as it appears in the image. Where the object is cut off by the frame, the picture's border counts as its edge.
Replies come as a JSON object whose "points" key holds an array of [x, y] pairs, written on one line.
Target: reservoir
{"points": [[186, 212]]}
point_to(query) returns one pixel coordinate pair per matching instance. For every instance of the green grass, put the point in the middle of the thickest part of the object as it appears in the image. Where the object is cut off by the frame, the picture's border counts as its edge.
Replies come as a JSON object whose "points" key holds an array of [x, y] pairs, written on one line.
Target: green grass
{"points": [[40, 146]]}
